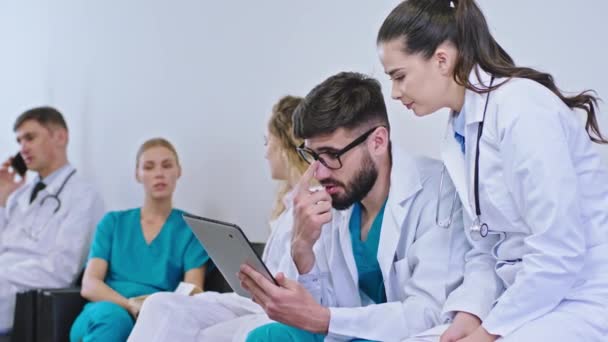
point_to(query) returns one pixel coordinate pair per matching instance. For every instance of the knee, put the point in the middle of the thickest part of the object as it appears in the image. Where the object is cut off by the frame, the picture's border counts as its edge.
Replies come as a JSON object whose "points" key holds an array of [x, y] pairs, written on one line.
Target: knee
{"points": [[113, 315], [104, 321]]}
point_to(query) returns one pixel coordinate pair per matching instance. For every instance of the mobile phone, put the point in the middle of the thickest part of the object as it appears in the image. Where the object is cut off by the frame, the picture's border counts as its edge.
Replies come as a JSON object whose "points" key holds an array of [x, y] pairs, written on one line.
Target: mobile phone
{"points": [[18, 164]]}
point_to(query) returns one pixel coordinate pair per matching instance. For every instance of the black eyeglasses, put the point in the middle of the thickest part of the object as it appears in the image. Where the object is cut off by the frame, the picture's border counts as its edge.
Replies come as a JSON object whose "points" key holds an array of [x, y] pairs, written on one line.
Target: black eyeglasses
{"points": [[331, 160]]}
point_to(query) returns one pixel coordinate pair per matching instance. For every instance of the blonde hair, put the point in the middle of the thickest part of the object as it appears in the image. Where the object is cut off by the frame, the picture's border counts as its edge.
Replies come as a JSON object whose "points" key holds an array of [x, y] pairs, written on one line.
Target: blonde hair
{"points": [[280, 126], [156, 142]]}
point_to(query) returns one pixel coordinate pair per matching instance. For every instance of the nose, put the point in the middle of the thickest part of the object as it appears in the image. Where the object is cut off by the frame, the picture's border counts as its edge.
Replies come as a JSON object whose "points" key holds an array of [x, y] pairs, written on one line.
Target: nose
{"points": [[159, 173], [395, 91], [24, 147], [322, 172]]}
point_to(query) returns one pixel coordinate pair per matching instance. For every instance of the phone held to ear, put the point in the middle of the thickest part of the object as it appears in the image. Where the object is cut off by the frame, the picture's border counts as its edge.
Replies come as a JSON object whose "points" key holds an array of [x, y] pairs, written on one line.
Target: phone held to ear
{"points": [[18, 164]]}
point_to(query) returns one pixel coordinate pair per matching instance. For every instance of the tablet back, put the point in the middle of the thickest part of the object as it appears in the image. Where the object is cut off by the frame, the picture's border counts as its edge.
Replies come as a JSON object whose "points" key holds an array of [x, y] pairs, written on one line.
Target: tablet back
{"points": [[228, 248]]}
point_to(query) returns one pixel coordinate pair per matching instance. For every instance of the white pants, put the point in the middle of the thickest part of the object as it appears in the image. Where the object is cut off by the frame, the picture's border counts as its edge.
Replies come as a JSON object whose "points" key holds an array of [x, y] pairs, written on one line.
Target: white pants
{"points": [[8, 294], [209, 316], [570, 321]]}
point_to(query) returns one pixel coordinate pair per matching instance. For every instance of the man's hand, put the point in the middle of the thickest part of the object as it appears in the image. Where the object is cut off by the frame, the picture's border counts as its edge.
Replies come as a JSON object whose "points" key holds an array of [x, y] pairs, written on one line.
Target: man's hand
{"points": [[7, 182], [312, 209], [287, 303], [464, 325]]}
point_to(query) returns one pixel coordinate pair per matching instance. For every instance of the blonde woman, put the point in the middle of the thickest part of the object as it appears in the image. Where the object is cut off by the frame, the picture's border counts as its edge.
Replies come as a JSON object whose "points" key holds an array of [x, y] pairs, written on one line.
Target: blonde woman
{"points": [[226, 316], [139, 251]]}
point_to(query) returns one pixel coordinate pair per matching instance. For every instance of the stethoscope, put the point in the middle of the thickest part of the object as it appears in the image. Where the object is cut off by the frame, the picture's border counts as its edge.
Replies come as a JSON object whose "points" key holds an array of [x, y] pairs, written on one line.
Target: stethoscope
{"points": [[478, 229], [54, 197]]}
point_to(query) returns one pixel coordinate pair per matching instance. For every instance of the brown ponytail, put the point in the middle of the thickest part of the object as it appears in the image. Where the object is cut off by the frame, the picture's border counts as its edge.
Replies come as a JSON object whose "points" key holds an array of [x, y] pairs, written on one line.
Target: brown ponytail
{"points": [[425, 24]]}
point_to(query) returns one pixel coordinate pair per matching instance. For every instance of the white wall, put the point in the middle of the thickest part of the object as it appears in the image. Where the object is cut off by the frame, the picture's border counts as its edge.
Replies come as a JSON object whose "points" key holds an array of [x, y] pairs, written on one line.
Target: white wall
{"points": [[205, 74]]}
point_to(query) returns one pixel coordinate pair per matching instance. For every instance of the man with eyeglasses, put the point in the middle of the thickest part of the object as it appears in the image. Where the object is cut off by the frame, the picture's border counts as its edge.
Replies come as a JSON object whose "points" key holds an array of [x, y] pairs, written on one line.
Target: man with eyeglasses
{"points": [[382, 266]]}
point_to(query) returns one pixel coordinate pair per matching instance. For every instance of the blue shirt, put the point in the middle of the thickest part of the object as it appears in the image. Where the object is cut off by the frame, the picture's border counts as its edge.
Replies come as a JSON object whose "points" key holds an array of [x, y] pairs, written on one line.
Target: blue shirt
{"points": [[366, 255], [458, 124], [137, 268]]}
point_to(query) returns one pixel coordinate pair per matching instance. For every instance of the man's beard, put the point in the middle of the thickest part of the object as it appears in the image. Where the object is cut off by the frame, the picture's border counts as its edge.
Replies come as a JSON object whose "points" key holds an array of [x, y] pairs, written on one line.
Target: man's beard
{"points": [[358, 188]]}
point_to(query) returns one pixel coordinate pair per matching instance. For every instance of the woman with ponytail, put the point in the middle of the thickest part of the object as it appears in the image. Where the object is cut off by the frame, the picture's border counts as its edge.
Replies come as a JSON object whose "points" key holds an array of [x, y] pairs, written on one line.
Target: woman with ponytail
{"points": [[531, 182]]}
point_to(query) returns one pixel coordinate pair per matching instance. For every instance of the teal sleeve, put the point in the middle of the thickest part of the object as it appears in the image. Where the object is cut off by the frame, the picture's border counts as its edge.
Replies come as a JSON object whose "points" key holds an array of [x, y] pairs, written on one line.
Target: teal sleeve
{"points": [[102, 242], [195, 255]]}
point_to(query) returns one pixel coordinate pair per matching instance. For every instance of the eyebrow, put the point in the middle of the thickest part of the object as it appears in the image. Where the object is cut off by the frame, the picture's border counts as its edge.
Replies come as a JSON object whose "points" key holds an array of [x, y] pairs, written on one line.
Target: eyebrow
{"points": [[25, 135], [392, 72], [323, 149]]}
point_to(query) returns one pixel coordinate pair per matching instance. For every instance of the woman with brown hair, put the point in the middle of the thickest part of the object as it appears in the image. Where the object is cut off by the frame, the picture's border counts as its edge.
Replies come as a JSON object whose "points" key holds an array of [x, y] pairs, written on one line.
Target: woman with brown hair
{"points": [[532, 184]]}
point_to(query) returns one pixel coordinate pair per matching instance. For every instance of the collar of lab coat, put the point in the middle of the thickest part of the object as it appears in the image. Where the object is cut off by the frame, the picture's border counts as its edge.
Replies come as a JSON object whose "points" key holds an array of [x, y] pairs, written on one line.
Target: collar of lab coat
{"points": [[474, 103], [288, 199], [457, 164], [51, 188], [405, 182]]}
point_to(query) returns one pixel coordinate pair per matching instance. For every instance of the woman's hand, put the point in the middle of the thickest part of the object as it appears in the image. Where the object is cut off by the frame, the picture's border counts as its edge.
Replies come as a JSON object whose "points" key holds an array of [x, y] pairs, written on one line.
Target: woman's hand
{"points": [[134, 305]]}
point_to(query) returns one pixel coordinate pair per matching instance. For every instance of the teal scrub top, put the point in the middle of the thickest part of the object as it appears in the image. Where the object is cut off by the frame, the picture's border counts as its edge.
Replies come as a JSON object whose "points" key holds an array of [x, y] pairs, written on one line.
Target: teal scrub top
{"points": [[366, 255], [137, 268]]}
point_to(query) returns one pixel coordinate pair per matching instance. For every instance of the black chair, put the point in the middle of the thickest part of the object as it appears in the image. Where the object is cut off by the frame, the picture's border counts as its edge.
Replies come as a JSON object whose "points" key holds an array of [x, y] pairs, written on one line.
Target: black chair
{"points": [[46, 315]]}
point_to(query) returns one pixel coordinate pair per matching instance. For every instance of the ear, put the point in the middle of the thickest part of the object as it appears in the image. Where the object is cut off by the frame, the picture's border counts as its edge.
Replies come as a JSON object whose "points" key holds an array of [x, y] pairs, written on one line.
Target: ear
{"points": [[60, 135], [379, 141], [445, 58]]}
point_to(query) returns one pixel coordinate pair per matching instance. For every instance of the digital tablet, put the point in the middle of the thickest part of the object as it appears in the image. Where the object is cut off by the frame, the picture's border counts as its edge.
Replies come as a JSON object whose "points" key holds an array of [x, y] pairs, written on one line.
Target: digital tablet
{"points": [[228, 248]]}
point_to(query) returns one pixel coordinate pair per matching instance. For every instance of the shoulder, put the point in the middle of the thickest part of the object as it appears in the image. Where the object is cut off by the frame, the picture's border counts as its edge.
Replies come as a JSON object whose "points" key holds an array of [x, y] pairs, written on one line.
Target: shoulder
{"points": [[178, 224], [121, 216], [429, 170], [82, 189], [520, 98]]}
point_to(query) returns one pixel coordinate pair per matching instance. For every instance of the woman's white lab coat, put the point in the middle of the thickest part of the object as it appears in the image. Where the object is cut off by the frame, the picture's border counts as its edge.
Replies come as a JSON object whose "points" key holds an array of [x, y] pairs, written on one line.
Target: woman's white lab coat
{"points": [[542, 186], [420, 262]]}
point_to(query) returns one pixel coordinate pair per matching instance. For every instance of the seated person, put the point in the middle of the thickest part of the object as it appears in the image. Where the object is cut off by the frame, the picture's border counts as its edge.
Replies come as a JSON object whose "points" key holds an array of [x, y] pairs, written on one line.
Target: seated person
{"points": [[139, 251], [46, 224], [382, 267], [213, 316]]}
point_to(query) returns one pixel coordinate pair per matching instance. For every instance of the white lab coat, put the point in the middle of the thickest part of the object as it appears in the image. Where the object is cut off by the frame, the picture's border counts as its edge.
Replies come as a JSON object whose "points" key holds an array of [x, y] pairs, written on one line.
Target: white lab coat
{"points": [[420, 261], [42, 249], [542, 185], [212, 316]]}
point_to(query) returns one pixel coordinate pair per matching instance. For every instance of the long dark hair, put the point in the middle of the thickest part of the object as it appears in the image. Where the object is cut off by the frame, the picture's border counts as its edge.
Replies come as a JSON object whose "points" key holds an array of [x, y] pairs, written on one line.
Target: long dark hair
{"points": [[425, 24]]}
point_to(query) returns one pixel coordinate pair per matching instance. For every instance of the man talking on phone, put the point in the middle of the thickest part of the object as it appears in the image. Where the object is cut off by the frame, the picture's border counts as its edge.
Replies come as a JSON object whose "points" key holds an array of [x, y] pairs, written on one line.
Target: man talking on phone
{"points": [[45, 224], [382, 266]]}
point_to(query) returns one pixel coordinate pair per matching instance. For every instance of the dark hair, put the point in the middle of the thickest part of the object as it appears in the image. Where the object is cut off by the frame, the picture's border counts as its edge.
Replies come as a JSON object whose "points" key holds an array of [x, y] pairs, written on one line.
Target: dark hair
{"points": [[347, 100], [425, 24], [46, 116]]}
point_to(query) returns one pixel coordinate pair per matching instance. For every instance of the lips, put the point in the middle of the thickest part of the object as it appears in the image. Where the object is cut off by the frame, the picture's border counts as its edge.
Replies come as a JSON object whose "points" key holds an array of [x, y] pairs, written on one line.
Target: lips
{"points": [[409, 105], [160, 186], [331, 188]]}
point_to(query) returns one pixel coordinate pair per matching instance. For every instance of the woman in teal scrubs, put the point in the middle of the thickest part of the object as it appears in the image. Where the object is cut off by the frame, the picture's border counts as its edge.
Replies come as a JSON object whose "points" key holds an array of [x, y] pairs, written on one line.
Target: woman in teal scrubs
{"points": [[138, 252]]}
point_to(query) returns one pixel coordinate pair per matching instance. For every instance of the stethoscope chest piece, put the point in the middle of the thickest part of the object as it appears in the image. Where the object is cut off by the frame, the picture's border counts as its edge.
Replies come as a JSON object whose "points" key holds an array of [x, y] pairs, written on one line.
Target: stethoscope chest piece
{"points": [[478, 229]]}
